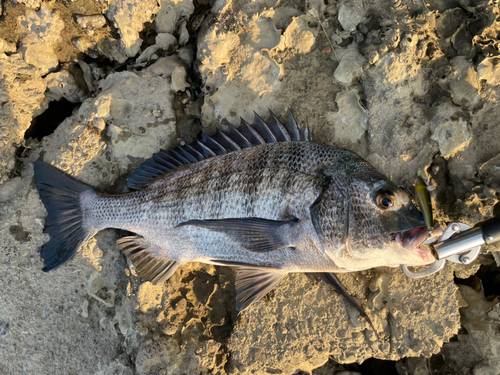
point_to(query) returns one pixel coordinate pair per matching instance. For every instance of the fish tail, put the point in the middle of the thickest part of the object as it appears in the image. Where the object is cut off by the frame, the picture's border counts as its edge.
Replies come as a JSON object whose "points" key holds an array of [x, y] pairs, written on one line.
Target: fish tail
{"points": [[65, 200]]}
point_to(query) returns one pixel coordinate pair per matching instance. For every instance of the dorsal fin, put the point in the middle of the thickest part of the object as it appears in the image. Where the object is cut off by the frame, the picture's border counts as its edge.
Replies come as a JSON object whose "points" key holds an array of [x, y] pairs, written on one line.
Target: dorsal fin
{"points": [[222, 142]]}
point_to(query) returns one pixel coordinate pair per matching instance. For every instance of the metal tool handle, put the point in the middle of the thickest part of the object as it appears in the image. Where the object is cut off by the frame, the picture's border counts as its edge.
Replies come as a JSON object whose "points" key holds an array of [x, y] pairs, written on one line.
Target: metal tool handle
{"points": [[491, 230]]}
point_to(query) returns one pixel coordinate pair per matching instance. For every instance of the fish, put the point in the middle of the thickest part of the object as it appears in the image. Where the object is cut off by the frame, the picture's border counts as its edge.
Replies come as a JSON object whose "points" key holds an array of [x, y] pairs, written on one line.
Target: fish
{"points": [[261, 197]]}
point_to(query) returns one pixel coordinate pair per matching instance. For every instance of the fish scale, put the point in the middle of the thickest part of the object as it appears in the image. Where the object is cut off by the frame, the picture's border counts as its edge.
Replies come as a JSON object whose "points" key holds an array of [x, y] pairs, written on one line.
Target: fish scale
{"points": [[262, 198]]}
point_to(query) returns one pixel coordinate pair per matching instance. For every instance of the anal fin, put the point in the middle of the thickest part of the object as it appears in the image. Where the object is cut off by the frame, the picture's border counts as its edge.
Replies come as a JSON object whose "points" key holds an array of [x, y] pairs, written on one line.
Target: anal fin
{"points": [[254, 283], [150, 266]]}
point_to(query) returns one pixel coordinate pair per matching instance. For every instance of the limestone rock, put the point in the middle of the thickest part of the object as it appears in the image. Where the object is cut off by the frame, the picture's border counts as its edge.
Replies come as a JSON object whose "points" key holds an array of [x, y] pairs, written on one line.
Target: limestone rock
{"points": [[350, 66], [170, 13], [488, 70], [351, 121], [303, 324], [165, 40], [464, 83], [299, 36], [490, 172], [7, 47], [34, 4], [351, 13], [450, 130], [129, 17], [91, 23], [39, 31], [21, 99], [63, 85]]}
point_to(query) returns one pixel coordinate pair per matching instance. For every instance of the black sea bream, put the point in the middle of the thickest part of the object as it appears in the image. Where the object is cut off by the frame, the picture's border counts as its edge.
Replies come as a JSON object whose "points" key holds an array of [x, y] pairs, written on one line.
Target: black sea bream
{"points": [[259, 197]]}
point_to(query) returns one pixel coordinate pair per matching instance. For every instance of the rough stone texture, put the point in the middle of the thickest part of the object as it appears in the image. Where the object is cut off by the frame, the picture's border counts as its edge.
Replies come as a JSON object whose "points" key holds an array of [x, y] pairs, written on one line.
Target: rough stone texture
{"points": [[170, 13], [39, 31], [409, 78], [351, 121], [20, 99], [271, 333], [350, 65], [129, 17], [351, 13]]}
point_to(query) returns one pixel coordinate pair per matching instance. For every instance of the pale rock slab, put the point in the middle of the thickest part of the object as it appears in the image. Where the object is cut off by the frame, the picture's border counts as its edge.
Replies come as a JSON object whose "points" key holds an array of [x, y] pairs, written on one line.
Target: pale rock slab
{"points": [[170, 13], [464, 83], [351, 13], [39, 31], [351, 121], [488, 70], [299, 36], [129, 17], [166, 40], [21, 100], [91, 23], [450, 130], [350, 66]]}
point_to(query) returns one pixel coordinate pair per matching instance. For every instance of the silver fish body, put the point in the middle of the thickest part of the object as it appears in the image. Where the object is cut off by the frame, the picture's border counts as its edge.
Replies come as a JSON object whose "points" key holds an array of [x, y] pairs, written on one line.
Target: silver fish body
{"points": [[269, 209]]}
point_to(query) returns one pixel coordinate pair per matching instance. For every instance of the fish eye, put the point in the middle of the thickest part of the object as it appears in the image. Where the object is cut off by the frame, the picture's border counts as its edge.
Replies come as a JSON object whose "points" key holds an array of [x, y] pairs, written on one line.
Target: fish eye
{"points": [[385, 200]]}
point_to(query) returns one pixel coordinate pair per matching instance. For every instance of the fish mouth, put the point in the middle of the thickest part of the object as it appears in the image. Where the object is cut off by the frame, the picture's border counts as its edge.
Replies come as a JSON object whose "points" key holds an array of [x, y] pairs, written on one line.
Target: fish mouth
{"points": [[412, 238]]}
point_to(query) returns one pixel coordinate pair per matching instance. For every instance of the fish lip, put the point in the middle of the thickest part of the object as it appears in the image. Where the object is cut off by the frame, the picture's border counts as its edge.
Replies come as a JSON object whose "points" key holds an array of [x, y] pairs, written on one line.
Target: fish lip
{"points": [[410, 240]]}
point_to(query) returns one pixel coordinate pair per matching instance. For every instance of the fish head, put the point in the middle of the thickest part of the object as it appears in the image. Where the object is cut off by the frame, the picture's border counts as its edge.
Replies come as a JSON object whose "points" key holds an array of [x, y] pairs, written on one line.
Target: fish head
{"points": [[385, 228], [381, 225]]}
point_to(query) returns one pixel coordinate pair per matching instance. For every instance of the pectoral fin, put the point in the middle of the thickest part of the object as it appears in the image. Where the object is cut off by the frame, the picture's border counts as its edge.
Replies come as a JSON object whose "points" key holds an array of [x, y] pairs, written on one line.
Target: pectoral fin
{"points": [[150, 266], [256, 235]]}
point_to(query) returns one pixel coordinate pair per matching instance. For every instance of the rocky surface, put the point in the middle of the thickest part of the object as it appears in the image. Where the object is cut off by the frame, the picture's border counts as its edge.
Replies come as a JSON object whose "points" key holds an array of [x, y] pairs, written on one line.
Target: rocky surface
{"points": [[410, 86]]}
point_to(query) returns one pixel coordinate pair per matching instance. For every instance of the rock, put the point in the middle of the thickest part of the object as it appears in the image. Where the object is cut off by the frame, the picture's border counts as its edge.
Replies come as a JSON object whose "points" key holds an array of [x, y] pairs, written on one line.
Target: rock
{"points": [[113, 49], [462, 41], [147, 55], [6, 47], [448, 22], [161, 355], [129, 17], [284, 15], [9, 189], [91, 23], [489, 172], [183, 33], [350, 66], [179, 79], [451, 131], [351, 13], [170, 13], [166, 40], [165, 66], [35, 4], [39, 31], [351, 121], [21, 99], [102, 290], [63, 85], [464, 83], [149, 296], [82, 44], [186, 55], [264, 35], [488, 71], [299, 36], [481, 318], [297, 328], [266, 80]]}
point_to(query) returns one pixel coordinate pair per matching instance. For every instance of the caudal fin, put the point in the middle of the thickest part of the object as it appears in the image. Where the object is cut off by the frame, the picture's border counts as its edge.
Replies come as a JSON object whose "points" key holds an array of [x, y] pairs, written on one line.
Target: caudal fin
{"points": [[61, 196]]}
